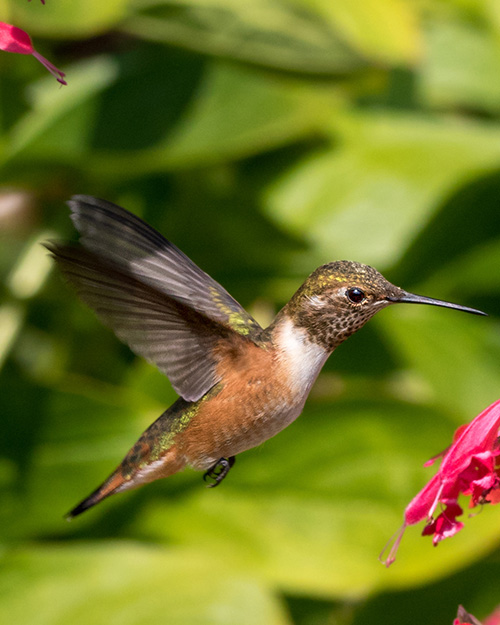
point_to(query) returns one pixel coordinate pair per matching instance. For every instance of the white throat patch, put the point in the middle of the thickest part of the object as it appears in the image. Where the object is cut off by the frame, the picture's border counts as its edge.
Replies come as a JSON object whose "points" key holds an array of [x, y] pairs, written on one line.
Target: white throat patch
{"points": [[303, 358]]}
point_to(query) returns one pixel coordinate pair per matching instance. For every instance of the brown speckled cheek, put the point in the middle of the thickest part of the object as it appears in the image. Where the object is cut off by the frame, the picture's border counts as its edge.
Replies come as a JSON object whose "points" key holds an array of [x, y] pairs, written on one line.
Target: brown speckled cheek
{"points": [[320, 307]]}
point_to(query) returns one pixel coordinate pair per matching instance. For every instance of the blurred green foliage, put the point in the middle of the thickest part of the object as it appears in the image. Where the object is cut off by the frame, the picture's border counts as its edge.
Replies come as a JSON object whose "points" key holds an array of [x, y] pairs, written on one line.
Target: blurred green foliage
{"points": [[264, 138]]}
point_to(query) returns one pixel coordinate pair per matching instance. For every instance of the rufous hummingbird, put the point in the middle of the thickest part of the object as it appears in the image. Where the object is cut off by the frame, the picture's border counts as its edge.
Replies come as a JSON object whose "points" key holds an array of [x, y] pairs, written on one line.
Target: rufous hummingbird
{"points": [[239, 384]]}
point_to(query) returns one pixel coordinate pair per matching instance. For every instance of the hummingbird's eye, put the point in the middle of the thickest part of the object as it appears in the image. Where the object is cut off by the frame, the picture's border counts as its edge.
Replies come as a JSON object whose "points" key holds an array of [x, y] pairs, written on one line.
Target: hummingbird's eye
{"points": [[355, 295]]}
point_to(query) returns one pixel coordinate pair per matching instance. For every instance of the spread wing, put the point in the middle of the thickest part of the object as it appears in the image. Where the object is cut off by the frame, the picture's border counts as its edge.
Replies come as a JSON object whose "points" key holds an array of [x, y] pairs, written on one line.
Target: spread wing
{"points": [[152, 295]]}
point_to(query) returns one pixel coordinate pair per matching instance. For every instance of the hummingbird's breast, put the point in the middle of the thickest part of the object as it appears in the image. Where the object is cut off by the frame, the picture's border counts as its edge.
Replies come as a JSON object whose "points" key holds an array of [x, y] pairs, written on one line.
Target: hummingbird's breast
{"points": [[262, 391]]}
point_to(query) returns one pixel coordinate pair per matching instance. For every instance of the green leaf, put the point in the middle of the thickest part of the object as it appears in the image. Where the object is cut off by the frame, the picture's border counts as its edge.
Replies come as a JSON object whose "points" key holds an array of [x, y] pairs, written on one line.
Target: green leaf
{"points": [[442, 597], [234, 112], [68, 18], [271, 33], [368, 196], [379, 29], [76, 437], [457, 356], [461, 66], [43, 131], [103, 583], [470, 274], [237, 112]]}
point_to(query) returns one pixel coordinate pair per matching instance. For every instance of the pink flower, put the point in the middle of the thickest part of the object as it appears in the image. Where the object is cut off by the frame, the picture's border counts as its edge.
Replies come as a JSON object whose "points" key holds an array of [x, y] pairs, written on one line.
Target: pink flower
{"points": [[494, 618], [13, 39], [42, 1], [464, 618], [469, 467]]}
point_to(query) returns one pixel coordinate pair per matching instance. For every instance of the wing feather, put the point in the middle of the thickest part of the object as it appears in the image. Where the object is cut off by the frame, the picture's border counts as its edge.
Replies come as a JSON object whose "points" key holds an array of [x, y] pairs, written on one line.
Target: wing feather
{"points": [[141, 252], [152, 295], [179, 340]]}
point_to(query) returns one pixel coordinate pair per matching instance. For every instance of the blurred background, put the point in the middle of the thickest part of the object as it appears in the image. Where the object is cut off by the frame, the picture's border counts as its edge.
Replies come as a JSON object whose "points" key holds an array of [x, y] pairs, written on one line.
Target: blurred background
{"points": [[264, 138]]}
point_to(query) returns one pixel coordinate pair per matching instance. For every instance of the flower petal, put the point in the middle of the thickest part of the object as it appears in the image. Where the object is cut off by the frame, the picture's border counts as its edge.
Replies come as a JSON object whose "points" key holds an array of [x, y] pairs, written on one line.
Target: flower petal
{"points": [[13, 39], [423, 504], [479, 436], [468, 467], [464, 618], [494, 618], [445, 525]]}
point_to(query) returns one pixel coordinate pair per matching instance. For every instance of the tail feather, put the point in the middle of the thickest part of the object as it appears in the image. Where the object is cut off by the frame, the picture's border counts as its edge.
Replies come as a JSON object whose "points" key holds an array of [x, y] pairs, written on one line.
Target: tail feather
{"points": [[145, 461], [107, 488]]}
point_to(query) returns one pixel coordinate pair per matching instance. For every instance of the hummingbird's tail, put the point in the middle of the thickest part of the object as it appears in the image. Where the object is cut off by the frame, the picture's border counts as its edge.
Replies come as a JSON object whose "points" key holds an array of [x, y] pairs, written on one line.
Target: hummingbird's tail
{"points": [[137, 468], [149, 459], [107, 488]]}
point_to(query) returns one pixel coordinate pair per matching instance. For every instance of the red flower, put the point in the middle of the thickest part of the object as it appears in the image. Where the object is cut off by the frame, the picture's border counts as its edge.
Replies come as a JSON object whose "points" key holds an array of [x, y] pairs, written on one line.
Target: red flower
{"points": [[13, 39], [469, 467]]}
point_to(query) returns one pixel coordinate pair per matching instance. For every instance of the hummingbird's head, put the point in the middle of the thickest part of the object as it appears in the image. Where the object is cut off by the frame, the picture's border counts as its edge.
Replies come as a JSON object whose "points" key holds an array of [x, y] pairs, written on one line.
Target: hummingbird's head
{"points": [[339, 298]]}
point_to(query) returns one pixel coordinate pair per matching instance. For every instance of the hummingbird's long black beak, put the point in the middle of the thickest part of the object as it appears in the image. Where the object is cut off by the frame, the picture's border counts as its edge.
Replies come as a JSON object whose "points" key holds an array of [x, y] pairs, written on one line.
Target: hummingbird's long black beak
{"points": [[411, 298]]}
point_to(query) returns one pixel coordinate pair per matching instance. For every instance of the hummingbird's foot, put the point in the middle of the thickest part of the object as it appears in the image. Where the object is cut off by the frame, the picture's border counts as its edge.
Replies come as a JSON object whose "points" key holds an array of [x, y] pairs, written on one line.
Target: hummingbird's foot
{"points": [[219, 471]]}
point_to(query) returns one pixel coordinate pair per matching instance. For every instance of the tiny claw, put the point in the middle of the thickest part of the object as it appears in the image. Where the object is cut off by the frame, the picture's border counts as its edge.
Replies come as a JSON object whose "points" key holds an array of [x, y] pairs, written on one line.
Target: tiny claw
{"points": [[219, 471]]}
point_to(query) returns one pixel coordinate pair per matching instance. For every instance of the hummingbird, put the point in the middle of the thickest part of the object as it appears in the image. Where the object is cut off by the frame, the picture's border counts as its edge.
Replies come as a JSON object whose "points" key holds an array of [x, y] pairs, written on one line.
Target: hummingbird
{"points": [[238, 384]]}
